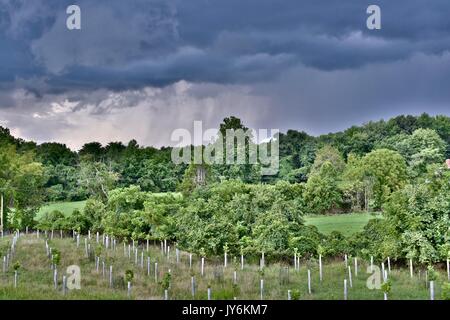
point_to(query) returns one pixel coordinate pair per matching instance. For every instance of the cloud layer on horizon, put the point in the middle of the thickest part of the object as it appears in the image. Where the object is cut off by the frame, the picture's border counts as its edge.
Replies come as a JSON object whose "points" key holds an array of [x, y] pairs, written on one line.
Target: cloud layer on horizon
{"points": [[161, 64]]}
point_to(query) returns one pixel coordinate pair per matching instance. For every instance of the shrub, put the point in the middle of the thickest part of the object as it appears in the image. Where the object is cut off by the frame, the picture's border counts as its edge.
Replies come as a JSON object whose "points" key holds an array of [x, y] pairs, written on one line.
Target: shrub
{"points": [[386, 286], [16, 266], [295, 294], [165, 282], [129, 275]]}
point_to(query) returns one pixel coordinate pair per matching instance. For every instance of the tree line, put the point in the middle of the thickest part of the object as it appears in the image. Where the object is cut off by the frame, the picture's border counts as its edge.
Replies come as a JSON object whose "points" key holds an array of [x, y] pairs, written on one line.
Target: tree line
{"points": [[395, 166]]}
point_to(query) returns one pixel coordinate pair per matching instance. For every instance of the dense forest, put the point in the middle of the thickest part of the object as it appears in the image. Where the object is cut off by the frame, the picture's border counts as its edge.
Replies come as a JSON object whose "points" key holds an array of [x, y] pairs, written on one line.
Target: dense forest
{"points": [[395, 166]]}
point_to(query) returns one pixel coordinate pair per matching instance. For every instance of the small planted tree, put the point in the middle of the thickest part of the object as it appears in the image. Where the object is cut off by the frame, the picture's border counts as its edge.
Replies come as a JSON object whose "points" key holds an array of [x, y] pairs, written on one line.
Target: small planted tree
{"points": [[432, 277], [432, 274], [16, 268], [165, 284], [98, 250], [386, 287], [129, 275], [56, 257], [261, 282], [295, 294]]}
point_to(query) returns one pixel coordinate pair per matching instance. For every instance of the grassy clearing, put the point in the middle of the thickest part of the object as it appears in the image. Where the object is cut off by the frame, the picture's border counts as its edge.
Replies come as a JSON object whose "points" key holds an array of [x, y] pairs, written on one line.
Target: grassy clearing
{"points": [[65, 207], [36, 281], [347, 224]]}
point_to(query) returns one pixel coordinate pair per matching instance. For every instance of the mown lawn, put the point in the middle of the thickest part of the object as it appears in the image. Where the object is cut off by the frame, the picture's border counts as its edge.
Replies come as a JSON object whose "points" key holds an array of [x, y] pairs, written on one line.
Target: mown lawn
{"points": [[65, 207], [347, 224]]}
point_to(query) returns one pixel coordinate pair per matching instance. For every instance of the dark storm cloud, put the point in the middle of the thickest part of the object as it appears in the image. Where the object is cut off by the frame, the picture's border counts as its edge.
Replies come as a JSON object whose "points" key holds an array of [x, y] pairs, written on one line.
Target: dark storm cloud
{"points": [[141, 68], [136, 43]]}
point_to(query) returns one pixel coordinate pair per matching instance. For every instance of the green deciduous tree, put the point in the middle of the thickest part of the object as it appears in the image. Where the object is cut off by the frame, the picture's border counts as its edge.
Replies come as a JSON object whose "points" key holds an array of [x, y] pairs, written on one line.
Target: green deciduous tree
{"points": [[97, 179], [322, 193], [387, 171], [21, 185]]}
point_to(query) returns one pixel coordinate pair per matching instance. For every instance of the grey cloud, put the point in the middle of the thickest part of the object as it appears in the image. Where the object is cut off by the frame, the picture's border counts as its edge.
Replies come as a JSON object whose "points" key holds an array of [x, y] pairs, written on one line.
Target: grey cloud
{"points": [[140, 68], [148, 114], [110, 36], [322, 102], [304, 98], [136, 43]]}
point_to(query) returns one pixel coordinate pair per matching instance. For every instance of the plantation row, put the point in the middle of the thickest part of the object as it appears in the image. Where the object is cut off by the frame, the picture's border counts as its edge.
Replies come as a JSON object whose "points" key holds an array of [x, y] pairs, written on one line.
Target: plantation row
{"points": [[35, 267]]}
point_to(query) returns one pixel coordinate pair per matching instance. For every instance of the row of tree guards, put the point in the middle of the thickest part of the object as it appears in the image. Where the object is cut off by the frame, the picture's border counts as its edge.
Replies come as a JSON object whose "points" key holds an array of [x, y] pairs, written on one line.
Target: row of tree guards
{"points": [[131, 250]]}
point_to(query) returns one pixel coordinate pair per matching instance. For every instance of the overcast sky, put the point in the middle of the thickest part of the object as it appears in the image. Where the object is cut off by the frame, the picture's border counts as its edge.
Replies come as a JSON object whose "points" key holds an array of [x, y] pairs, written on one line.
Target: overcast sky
{"points": [[142, 68]]}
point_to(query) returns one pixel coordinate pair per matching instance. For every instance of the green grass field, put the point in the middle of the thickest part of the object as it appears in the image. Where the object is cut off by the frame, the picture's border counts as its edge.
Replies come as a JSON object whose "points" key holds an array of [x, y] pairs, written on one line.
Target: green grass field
{"points": [[35, 276], [65, 207], [347, 224]]}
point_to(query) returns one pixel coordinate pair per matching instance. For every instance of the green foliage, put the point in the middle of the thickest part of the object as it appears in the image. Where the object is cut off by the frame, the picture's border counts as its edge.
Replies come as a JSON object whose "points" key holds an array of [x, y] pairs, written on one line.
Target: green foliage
{"points": [[335, 245], [386, 287], [79, 222], [328, 154], [376, 240], [97, 179], [21, 183], [255, 217], [135, 214], [416, 224], [191, 180], [16, 266], [386, 169], [158, 176], [98, 250], [432, 274], [356, 185], [322, 194], [295, 294], [63, 183], [422, 148], [54, 220], [394, 166], [165, 281], [93, 212], [306, 241], [56, 257], [129, 275]]}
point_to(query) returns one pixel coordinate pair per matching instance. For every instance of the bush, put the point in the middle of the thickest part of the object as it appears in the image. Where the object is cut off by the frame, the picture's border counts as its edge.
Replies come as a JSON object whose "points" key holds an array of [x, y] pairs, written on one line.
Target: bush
{"points": [[54, 220], [335, 244], [129, 275]]}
